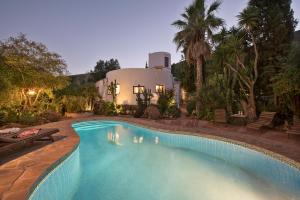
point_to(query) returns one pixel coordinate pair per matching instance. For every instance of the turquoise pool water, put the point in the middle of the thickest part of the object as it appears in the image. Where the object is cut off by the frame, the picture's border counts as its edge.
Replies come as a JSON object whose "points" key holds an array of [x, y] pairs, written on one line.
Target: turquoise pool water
{"points": [[164, 166]]}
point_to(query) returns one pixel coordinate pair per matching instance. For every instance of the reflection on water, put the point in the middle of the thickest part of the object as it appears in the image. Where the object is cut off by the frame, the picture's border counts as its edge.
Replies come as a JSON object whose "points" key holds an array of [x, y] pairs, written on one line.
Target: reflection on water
{"points": [[149, 171], [175, 169]]}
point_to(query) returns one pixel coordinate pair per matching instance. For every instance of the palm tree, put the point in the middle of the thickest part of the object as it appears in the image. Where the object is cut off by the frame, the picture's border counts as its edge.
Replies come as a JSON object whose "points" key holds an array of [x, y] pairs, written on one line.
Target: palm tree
{"points": [[195, 36]]}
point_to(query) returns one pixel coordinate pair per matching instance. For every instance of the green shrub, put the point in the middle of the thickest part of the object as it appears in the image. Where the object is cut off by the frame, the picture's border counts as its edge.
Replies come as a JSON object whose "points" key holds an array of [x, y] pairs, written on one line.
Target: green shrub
{"points": [[110, 109], [99, 108], [139, 112], [75, 103], [105, 108], [191, 107], [152, 112], [141, 105], [28, 118], [173, 112], [2, 118], [211, 96], [165, 100], [12, 115], [147, 94], [206, 114], [51, 116]]}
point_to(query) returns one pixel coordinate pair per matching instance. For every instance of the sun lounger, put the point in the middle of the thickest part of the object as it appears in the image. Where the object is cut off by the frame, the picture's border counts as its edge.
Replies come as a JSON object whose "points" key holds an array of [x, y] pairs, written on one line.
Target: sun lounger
{"points": [[295, 128], [265, 119], [220, 116], [11, 140]]}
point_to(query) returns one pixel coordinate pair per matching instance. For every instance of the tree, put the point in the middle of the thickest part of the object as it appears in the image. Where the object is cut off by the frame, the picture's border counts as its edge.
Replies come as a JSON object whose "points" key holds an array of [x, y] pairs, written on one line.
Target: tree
{"points": [[287, 82], [147, 97], [102, 67], [5, 77], [273, 35], [185, 73], [30, 68], [242, 58], [195, 36], [77, 98], [112, 88], [228, 78]]}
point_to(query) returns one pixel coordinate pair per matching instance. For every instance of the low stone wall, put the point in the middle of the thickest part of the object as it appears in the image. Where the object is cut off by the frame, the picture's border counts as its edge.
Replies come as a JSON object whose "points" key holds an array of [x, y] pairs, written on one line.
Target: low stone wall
{"points": [[78, 115]]}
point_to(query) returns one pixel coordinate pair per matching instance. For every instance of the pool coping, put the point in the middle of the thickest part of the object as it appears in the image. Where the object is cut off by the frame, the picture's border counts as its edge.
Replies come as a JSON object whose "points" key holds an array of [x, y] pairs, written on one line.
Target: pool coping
{"points": [[30, 188], [272, 154], [48, 171], [28, 170]]}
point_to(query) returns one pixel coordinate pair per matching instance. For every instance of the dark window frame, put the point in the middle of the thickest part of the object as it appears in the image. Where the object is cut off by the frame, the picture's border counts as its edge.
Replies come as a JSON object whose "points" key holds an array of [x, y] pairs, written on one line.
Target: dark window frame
{"points": [[138, 86], [160, 91], [167, 61]]}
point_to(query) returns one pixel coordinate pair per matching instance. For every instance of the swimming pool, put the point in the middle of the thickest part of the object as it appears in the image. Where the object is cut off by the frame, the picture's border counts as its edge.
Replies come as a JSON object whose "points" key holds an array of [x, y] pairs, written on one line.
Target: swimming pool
{"points": [[117, 160]]}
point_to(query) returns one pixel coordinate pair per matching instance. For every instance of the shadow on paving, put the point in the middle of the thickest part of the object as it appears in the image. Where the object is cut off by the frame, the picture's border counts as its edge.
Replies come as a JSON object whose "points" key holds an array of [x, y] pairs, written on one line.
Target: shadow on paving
{"points": [[8, 155]]}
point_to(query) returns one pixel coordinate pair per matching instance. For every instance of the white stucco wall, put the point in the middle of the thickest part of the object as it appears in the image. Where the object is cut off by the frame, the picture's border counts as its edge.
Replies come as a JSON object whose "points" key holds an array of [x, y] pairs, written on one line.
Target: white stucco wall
{"points": [[157, 59], [129, 77]]}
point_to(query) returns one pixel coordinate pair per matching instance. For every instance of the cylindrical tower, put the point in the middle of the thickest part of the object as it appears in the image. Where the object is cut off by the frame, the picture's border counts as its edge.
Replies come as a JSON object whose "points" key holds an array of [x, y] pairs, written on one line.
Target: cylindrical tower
{"points": [[160, 60]]}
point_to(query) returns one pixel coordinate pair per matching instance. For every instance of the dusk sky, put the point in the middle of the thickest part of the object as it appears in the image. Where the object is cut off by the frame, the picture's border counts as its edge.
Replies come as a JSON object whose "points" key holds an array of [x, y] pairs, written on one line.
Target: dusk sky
{"points": [[83, 32]]}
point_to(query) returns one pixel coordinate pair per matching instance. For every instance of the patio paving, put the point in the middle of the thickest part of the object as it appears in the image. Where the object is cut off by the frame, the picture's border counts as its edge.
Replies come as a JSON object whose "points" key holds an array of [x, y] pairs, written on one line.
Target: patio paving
{"points": [[20, 170]]}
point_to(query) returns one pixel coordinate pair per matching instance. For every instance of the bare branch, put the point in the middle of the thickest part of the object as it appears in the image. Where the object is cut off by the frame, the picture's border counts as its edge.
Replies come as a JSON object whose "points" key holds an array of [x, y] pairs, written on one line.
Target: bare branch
{"points": [[240, 75]]}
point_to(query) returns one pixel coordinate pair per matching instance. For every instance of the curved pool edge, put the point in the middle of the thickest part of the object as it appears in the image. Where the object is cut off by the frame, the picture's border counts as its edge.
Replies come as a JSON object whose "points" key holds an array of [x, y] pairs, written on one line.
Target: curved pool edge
{"points": [[267, 152], [52, 166], [49, 170], [24, 173]]}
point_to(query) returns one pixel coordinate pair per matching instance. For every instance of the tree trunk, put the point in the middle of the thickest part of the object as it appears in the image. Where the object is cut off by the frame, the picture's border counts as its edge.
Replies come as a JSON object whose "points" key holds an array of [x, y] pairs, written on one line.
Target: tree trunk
{"points": [[36, 97], [228, 101], [26, 101], [199, 82], [251, 104], [244, 105]]}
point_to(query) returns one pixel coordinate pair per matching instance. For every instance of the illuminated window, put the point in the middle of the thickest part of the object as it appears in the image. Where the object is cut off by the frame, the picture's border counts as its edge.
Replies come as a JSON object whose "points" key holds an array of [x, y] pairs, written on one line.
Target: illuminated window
{"points": [[117, 90], [138, 89], [159, 88]]}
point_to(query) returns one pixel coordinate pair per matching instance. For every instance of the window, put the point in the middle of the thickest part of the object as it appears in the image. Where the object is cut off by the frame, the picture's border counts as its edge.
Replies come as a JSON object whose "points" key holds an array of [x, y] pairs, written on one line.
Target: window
{"points": [[138, 89], [166, 62], [117, 89], [159, 88]]}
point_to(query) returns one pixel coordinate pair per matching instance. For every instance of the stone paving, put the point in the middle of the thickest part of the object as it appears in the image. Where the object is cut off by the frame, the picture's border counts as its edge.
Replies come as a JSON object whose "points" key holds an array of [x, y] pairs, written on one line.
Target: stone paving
{"points": [[20, 171]]}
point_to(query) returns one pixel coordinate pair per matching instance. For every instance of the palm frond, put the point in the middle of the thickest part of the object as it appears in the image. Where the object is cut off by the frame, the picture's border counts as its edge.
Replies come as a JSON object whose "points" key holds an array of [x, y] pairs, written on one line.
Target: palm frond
{"points": [[248, 18], [213, 7], [199, 6], [180, 24], [214, 22], [185, 16]]}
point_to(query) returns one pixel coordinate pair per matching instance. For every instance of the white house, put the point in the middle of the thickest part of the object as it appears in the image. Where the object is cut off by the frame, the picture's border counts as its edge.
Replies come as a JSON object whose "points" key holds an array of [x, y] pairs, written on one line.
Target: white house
{"points": [[130, 81]]}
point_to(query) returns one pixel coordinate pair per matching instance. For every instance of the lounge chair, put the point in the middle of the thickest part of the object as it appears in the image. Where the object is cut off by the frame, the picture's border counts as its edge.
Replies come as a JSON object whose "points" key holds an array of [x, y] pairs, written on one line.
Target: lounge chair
{"points": [[11, 140], [265, 119], [295, 128], [220, 116]]}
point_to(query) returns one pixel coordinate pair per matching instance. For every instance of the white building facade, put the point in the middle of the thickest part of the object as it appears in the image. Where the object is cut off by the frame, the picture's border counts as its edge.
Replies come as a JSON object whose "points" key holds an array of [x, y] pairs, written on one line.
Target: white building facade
{"points": [[130, 81]]}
